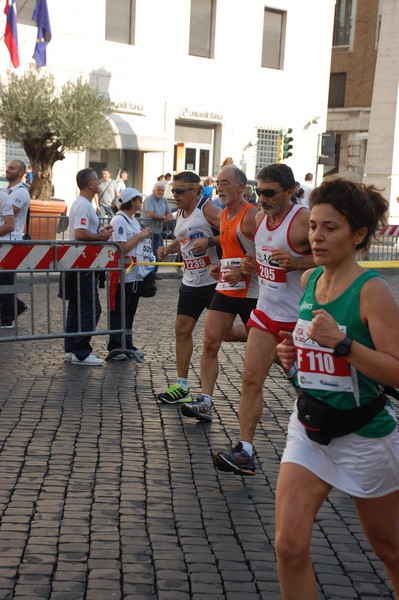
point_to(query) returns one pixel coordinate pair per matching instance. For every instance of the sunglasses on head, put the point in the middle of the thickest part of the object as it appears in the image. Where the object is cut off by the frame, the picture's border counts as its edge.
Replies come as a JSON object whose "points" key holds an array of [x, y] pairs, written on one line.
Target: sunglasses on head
{"points": [[181, 190], [267, 193]]}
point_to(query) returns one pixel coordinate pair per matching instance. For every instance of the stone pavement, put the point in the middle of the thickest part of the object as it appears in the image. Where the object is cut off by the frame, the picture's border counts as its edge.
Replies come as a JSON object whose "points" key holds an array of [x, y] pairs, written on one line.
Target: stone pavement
{"points": [[107, 494]]}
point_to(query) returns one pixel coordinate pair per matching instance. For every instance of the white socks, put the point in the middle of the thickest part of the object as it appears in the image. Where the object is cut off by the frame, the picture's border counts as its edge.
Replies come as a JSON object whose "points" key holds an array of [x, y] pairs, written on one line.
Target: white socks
{"points": [[183, 382], [207, 398], [247, 447]]}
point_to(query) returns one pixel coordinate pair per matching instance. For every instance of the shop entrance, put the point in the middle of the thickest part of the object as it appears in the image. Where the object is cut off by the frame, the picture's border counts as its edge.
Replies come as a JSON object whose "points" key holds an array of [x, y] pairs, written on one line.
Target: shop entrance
{"points": [[196, 158], [194, 149]]}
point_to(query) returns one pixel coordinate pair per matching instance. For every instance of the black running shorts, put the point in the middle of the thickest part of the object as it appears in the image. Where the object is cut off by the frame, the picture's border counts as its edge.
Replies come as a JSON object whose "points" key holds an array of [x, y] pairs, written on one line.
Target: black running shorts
{"points": [[235, 306], [193, 300]]}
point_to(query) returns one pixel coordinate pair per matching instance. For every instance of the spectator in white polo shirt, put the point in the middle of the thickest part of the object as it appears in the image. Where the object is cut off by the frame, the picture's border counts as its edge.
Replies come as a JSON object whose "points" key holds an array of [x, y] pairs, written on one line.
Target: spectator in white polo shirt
{"points": [[19, 197], [85, 225]]}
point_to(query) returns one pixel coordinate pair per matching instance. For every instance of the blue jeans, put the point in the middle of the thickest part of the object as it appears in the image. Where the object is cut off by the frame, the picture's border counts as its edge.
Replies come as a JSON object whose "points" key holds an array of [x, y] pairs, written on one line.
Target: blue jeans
{"points": [[157, 241], [106, 211], [85, 298]]}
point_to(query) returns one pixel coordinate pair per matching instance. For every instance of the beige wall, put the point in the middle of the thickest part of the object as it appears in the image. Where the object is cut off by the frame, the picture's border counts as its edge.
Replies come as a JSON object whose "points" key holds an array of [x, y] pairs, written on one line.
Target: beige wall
{"points": [[236, 93]]}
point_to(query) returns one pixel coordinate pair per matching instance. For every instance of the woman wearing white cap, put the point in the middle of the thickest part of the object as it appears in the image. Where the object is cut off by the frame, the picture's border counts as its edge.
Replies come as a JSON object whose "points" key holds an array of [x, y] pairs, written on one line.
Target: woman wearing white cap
{"points": [[136, 245]]}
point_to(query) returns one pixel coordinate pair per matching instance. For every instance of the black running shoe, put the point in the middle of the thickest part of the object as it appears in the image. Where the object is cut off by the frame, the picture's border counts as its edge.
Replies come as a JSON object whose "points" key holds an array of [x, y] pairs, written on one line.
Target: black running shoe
{"points": [[237, 461], [200, 410], [175, 394]]}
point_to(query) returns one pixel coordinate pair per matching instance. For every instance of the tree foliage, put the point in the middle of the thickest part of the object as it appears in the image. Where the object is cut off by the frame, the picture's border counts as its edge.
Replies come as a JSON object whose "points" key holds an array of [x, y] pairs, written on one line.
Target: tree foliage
{"points": [[50, 121]]}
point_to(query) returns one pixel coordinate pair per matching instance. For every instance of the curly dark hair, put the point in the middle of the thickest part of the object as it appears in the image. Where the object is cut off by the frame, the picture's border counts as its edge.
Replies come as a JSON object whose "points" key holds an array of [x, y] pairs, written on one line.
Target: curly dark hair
{"points": [[361, 205]]}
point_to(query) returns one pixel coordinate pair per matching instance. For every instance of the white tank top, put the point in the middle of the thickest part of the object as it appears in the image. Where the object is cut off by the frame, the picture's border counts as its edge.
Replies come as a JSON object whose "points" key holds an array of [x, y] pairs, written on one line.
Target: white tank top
{"points": [[187, 231], [279, 290]]}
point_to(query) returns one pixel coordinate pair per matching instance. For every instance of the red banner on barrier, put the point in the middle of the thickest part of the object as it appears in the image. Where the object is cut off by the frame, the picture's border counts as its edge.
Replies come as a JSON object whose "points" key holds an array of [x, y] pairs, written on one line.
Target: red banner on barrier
{"points": [[389, 230], [51, 257]]}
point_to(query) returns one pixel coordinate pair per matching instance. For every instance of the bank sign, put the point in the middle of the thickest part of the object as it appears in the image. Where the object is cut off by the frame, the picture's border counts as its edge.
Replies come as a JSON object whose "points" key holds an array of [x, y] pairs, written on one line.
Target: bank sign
{"points": [[200, 115], [128, 107]]}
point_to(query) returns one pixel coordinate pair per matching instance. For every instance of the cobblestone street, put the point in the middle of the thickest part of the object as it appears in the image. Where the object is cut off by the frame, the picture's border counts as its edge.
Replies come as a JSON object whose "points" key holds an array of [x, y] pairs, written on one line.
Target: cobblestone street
{"points": [[108, 494]]}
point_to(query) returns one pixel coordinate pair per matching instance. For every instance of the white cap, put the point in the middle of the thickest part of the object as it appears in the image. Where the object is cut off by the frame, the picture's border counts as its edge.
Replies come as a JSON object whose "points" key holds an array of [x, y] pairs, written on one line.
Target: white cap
{"points": [[128, 194]]}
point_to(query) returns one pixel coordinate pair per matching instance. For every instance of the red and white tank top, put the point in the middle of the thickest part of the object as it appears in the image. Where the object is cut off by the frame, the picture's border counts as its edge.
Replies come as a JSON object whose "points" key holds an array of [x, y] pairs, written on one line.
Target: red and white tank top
{"points": [[279, 290]]}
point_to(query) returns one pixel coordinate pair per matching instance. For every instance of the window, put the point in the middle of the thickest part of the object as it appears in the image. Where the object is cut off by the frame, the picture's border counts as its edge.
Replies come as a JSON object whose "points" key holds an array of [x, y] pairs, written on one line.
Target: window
{"points": [[267, 148], [120, 21], [274, 22], [336, 96], [342, 23], [25, 12], [202, 28], [15, 151]]}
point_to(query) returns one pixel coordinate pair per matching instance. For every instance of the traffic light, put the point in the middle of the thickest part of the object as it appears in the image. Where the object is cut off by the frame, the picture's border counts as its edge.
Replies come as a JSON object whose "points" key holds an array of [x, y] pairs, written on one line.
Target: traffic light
{"points": [[280, 146], [287, 145]]}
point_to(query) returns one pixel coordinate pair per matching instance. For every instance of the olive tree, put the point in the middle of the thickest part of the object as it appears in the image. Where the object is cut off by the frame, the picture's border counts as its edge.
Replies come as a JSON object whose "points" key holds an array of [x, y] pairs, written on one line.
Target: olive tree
{"points": [[49, 121]]}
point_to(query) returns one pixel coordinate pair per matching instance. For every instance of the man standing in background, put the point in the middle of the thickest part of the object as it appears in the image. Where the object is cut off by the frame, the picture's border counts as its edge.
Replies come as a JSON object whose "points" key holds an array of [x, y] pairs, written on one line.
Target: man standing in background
{"points": [[307, 187], [121, 181], [107, 194], [6, 228], [20, 200], [157, 210]]}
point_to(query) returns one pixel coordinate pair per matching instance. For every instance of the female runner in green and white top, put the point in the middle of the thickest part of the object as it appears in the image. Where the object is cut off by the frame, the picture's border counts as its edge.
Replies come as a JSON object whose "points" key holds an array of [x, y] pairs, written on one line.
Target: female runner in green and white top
{"points": [[346, 349]]}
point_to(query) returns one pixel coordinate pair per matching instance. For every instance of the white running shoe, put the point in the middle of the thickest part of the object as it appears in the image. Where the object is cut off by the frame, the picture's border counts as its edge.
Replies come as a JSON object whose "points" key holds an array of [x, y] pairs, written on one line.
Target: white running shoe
{"points": [[68, 356], [90, 361]]}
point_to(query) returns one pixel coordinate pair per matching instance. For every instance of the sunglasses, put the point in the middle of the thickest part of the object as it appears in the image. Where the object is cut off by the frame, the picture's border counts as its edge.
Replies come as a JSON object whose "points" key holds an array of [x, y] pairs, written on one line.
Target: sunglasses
{"points": [[267, 193], [181, 190]]}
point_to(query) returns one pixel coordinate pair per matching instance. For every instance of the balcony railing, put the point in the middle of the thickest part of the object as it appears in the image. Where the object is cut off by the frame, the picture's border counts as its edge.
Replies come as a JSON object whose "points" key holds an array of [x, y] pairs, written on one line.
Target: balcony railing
{"points": [[341, 35]]}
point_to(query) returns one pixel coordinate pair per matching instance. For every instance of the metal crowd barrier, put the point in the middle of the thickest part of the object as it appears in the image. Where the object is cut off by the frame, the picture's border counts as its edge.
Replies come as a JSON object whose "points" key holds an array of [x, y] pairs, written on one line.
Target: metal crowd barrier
{"points": [[384, 249], [35, 264]]}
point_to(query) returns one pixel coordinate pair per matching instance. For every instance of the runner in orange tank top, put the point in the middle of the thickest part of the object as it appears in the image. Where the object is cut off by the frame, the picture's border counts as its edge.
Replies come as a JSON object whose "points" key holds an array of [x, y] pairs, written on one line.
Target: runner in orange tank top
{"points": [[235, 245]]}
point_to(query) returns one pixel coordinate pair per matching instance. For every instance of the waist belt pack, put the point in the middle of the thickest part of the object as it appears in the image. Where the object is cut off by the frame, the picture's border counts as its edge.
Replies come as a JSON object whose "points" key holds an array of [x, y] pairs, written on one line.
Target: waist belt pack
{"points": [[323, 422]]}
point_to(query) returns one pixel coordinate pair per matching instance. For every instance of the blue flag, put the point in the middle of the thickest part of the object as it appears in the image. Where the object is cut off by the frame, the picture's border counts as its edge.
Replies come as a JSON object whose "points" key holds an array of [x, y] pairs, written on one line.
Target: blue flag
{"points": [[40, 15]]}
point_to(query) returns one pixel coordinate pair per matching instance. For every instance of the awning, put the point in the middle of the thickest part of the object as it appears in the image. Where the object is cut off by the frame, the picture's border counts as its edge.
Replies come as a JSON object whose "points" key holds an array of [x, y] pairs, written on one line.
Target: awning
{"points": [[133, 133]]}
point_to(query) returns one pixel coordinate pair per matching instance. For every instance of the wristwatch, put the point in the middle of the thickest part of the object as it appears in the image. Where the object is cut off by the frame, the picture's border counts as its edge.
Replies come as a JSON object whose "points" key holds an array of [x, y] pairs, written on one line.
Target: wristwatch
{"points": [[343, 347], [211, 242]]}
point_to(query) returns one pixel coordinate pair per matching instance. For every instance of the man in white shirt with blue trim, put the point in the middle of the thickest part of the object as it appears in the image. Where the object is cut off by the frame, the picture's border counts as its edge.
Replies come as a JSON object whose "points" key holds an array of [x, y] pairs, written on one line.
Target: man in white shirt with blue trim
{"points": [[19, 198]]}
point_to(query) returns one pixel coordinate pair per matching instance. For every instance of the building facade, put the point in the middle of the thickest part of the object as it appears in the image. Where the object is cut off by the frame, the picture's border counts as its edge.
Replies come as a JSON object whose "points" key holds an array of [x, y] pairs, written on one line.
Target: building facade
{"points": [[363, 95], [191, 81]]}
